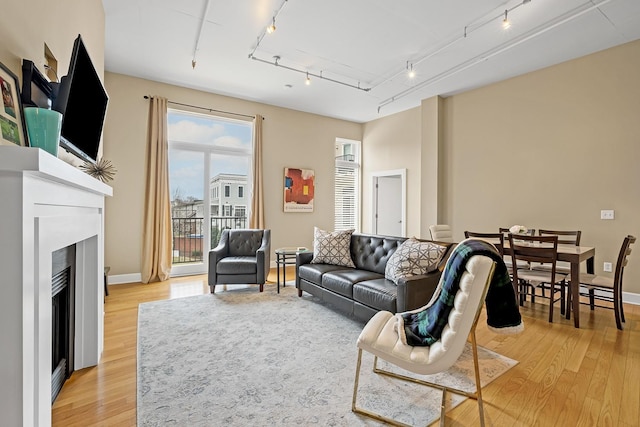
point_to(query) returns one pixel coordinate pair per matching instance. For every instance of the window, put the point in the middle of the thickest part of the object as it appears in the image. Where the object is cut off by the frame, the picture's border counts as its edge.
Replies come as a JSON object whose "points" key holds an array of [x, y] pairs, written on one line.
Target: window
{"points": [[240, 192], [226, 210], [227, 191], [240, 211], [347, 185]]}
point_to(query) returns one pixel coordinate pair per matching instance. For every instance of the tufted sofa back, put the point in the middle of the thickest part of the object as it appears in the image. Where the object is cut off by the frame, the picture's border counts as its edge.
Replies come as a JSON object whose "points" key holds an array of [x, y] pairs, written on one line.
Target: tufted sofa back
{"points": [[244, 242], [371, 253]]}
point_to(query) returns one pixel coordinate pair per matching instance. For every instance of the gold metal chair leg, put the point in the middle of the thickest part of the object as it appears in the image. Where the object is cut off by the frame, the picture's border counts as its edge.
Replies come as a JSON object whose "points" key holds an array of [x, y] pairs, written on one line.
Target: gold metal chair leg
{"points": [[443, 406], [365, 412], [476, 368], [357, 379]]}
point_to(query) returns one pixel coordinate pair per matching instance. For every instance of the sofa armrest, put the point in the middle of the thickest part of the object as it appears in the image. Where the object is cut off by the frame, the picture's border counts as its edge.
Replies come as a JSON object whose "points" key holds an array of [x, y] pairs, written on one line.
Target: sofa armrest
{"points": [[216, 254], [416, 291], [263, 257], [302, 258]]}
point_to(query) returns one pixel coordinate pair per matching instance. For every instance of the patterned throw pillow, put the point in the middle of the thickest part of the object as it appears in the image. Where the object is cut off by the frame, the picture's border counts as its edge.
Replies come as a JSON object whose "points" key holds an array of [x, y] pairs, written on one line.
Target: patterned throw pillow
{"points": [[332, 247], [413, 257]]}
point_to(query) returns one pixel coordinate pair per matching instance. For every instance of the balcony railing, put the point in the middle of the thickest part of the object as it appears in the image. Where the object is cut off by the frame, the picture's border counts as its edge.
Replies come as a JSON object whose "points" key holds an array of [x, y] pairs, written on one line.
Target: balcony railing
{"points": [[188, 236]]}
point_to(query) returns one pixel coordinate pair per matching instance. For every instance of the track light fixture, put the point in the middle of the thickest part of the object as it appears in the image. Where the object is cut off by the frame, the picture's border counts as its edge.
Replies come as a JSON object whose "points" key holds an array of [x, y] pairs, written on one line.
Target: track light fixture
{"points": [[276, 62], [271, 28], [505, 22], [308, 80], [410, 71]]}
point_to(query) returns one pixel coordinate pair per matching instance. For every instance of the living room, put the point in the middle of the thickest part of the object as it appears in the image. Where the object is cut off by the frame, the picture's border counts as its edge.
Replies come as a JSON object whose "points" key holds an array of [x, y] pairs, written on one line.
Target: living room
{"points": [[550, 148]]}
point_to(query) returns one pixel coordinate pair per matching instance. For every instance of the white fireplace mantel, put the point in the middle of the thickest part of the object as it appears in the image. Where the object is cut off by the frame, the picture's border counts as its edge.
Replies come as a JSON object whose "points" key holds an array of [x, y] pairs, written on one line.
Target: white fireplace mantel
{"points": [[45, 205]]}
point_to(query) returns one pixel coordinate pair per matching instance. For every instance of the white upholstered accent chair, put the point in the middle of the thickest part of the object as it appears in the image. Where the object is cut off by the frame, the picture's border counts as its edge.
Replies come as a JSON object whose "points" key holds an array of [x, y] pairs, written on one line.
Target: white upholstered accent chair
{"points": [[380, 338], [441, 233]]}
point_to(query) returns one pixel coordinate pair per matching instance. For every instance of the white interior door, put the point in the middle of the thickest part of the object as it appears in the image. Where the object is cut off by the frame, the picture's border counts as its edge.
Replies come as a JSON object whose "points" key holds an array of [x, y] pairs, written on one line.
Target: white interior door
{"points": [[389, 193]]}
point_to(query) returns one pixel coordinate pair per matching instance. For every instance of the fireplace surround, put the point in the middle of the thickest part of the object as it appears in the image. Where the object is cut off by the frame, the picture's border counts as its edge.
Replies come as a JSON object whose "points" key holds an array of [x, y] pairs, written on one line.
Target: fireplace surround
{"points": [[47, 205]]}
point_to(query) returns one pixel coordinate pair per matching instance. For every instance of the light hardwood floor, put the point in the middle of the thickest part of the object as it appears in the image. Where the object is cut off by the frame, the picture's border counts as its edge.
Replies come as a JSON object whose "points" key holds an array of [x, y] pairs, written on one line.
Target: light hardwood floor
{"points": [[565, 376]]}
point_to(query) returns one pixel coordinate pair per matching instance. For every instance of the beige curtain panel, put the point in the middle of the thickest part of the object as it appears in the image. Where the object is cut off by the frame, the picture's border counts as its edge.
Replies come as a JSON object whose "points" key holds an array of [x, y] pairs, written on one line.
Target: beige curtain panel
{"points": [[256, 220], [157, 230]]}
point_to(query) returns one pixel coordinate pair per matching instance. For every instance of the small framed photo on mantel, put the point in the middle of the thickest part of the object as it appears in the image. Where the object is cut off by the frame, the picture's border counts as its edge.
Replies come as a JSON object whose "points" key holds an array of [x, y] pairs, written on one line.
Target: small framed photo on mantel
{"points": [[299, 190], [12, 125]]}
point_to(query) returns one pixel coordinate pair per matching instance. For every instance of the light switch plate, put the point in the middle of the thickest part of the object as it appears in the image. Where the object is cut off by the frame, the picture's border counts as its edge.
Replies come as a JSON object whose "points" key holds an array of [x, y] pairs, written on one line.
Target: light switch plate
{"points": [[607, 267], [606, 214]]}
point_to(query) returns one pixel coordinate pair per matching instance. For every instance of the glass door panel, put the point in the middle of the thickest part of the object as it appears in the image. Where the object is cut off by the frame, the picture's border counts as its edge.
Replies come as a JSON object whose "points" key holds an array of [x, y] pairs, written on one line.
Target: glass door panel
{"points": [[229, 191], [188, 213]]}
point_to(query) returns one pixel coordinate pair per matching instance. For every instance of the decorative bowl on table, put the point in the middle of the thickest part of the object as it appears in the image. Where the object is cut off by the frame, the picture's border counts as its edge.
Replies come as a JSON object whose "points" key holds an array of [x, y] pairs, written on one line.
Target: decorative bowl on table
{"points": [[518, 229]]}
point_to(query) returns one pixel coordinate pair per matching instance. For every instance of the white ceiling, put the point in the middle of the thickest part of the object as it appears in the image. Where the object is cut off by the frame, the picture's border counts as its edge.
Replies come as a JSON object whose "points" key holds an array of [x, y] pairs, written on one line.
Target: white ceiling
{"points": [[365, 43]]}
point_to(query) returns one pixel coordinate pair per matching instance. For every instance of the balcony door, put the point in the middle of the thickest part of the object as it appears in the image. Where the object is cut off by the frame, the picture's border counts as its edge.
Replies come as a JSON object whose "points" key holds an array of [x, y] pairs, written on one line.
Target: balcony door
{"points": [[210, 184]]}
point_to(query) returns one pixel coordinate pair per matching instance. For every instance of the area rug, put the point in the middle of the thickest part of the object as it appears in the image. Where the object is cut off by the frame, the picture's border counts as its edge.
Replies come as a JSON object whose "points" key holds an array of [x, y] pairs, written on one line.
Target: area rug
{"points": [[241, 357]]}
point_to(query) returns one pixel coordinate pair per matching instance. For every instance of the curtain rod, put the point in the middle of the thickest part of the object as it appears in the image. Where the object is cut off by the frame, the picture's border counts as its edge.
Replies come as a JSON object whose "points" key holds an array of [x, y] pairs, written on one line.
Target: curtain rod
{"points": [[206, 108]]}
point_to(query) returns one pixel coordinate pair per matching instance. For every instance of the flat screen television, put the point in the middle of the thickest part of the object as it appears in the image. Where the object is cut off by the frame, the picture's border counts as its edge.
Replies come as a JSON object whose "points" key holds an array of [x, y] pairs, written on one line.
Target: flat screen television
{"points": [[82, 100]]}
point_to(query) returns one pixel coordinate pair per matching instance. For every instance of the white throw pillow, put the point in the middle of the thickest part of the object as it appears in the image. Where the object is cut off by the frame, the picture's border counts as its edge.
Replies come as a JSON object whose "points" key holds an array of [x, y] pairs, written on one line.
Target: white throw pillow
{"points": [[413, 257], [332, 247]]}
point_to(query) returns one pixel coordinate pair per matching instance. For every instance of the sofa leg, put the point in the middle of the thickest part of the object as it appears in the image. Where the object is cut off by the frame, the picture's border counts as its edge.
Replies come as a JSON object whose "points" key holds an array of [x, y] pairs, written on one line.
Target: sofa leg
{"points": [[261, 287], [300, 292], [213, 288]]}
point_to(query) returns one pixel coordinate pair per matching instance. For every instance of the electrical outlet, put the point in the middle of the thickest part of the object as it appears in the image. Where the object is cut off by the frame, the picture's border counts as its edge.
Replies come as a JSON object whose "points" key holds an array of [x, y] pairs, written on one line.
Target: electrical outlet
{"points": [[606, 214], [607, 267]]}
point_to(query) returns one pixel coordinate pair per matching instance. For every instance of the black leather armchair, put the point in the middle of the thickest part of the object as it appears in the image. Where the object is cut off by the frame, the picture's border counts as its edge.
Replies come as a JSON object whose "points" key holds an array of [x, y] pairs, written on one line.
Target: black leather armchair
{"points": [[241, 257]]}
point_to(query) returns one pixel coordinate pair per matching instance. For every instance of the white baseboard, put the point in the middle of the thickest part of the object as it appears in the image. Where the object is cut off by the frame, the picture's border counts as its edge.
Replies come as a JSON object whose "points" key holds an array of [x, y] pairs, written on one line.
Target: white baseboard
{"points": [[627, 297], [631, 298], [119, 279]]}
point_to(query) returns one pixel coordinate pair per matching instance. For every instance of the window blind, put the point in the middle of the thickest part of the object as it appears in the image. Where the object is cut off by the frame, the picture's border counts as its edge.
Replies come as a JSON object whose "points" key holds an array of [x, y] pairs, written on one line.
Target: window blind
{"points": [[346, 184]]}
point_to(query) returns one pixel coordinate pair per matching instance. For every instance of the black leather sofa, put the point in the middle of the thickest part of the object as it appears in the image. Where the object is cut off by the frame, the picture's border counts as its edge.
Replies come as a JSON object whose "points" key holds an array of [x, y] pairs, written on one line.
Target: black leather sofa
{"points": [[363, 291]]}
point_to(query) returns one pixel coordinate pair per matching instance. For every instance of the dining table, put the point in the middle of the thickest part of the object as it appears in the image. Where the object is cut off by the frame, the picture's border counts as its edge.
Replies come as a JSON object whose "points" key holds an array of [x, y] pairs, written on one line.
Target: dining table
{"points": [[574, 255]]}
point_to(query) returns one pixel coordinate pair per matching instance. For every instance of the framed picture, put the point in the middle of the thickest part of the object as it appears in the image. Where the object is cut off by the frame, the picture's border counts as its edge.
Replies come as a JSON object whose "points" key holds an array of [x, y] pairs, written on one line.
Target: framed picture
{"points": [[299, 189], [12, 127]]}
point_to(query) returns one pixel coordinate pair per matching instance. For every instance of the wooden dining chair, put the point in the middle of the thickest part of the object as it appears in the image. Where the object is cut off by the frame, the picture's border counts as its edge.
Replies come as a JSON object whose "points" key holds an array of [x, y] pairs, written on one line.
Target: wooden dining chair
{"points": [[565, 237], [496, 239], [609, 288], [507, 258], [537, 250]]}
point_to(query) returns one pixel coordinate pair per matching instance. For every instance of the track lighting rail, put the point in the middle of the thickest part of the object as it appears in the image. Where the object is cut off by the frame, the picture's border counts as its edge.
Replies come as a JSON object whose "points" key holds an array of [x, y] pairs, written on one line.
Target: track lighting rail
{"points": [[276, 62]]}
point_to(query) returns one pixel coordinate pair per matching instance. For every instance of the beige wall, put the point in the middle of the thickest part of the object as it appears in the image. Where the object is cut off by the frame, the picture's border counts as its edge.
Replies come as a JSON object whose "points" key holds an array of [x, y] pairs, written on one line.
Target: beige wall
{"points": [[392, 143], [550, 149], [291, 139], [25, 27]]}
